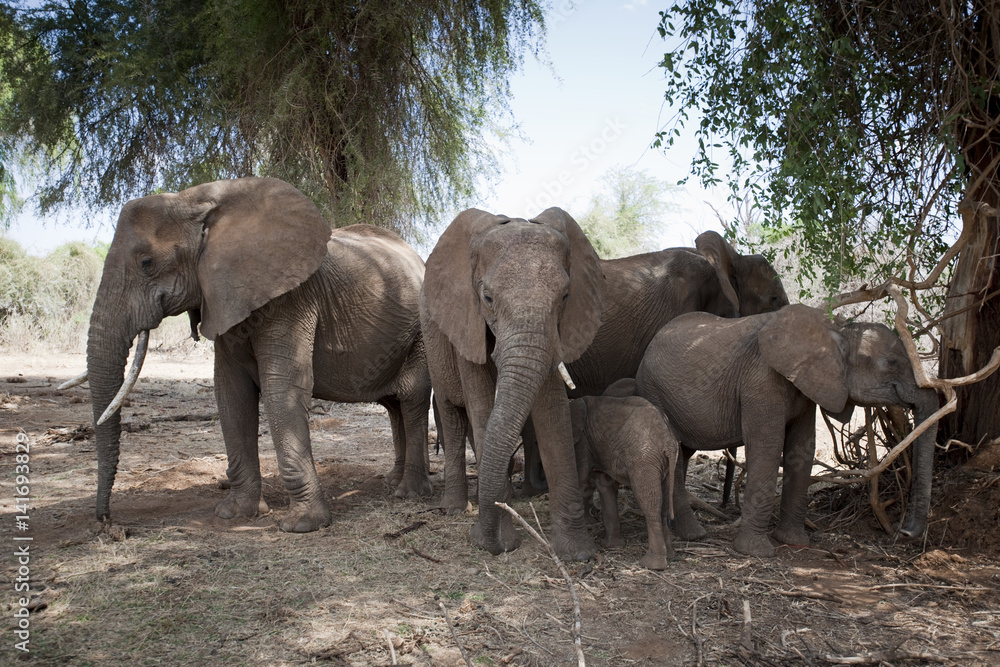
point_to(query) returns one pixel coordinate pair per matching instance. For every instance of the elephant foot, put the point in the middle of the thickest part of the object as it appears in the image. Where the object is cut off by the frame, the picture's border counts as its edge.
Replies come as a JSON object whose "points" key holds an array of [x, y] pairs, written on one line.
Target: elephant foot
{"points": [[653, 561], [753, 544], [509, 539], [614, 542], [689, 529], [572, 545], [305, 518], [455, 503], [414, 486], [240, 505], [395, 476], [794, 536]]}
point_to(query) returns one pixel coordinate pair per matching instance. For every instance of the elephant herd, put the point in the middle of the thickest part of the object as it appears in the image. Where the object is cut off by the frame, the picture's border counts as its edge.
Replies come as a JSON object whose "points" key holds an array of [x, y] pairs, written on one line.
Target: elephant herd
{"points": [[609, 371]]}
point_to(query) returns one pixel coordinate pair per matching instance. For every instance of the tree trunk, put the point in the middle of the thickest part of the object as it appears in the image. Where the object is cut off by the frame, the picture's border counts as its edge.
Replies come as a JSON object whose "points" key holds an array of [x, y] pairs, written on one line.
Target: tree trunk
{"points": [[974, 329]]}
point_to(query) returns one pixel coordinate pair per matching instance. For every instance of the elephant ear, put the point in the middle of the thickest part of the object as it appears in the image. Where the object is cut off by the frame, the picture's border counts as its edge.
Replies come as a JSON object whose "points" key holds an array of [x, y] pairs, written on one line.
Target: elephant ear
{"points": [[449, 291], [803, 345], [585, 305], [722, 257], [261, 238]]}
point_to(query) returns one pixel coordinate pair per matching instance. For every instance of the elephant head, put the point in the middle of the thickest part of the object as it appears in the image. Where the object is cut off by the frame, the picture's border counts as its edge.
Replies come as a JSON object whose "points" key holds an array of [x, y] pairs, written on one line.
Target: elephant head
{"points": [[217, 251], [838, 365], [527, 294], [749, 282]]}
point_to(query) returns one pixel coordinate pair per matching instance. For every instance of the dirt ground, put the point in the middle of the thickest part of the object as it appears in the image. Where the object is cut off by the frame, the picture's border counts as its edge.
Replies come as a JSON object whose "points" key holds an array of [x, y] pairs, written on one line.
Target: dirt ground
{"points": [[173, 584]]}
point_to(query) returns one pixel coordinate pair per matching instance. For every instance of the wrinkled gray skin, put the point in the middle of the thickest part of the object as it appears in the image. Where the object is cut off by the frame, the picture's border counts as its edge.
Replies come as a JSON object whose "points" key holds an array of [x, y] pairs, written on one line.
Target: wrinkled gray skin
{"points": [[757, 380], [504, 302], [627, 441], [646, 291], [294, 313]]}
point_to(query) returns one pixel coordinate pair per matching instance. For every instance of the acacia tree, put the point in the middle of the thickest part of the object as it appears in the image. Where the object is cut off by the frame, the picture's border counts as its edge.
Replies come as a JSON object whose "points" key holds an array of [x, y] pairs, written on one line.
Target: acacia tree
{"points": [[625, 216], [868, 132], [377, 109]]}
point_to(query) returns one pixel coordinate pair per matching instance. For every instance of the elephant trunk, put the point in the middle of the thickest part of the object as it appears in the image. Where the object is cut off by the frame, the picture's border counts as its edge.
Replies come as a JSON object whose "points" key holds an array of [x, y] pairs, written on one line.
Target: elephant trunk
{"points": [[108, 344], [925, 404], [523, 366]]}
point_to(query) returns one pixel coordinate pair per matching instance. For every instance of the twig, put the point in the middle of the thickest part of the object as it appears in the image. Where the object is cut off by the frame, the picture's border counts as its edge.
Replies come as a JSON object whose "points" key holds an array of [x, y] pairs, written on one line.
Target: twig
{"points": [[746, 636], [948, 588], [403, 531], [890, 657], [577, 622], [699, 644], [812, 595], [454, 635], [423, 555], [524, 629], [388, 640]]}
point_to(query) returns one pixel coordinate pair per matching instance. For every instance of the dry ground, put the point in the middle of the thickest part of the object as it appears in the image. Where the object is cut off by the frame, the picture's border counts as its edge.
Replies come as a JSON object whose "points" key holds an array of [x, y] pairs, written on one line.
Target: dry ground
{"points": [[175, 585]]}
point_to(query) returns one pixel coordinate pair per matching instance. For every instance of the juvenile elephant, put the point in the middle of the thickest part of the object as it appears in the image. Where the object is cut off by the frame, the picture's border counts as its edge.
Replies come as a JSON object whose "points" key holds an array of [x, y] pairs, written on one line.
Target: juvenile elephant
{"points": [[505, 302], [627, 441], [757, 380], [646, 291], [294, 313]]}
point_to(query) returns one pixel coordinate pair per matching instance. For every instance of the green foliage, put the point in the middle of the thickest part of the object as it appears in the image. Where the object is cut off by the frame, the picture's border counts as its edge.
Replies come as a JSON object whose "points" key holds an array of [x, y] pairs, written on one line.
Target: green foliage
{"points": [[47, 299], [839, 121], [625, 216], [377, 109]]}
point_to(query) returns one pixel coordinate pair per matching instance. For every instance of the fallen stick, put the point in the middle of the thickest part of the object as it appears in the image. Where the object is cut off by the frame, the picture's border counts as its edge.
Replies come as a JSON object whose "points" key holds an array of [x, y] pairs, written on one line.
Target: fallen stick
{"points": [[423, 555], [890, 657], [403, 531], [949, 588], [577, 622], [454, 635], [746, 635], [388, 640]]}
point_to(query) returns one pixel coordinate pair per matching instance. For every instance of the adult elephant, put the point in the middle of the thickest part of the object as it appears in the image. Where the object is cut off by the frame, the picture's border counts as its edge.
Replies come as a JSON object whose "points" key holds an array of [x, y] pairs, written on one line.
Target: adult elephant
{"points": [[757, 380], [646, 291], [505, 302], [294, 313]]}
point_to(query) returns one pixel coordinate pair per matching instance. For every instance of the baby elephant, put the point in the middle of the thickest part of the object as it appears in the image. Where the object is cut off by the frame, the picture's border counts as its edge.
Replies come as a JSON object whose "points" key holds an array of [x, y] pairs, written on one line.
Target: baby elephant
{"points": [[626, 440]]}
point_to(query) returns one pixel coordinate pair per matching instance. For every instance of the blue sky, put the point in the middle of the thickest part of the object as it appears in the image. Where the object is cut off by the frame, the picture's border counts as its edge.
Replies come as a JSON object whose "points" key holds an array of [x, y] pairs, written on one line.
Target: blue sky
{"points": [[597, 104]]}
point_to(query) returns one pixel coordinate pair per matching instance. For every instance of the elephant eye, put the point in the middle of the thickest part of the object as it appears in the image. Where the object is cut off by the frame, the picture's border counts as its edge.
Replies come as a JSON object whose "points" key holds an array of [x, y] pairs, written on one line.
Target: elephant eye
{"points": [[146, 263], [487, 298]]}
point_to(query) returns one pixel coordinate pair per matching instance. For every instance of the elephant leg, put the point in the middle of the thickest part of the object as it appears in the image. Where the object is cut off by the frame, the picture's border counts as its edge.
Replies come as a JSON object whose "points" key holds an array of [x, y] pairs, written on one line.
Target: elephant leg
{"points": [[550, 413], [238, 399], [799, 452], [534, 474], [391, 405], [453, 427], [286, 388], [648, 486], [686, 525], [608, 490], [763, 435], [415, 482]]}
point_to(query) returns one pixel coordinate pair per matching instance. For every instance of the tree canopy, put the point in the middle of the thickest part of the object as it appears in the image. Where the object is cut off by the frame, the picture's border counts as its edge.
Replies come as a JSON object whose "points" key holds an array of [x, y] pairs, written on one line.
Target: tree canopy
{"points": [[624, 217], [860, 130], [378, 110]]}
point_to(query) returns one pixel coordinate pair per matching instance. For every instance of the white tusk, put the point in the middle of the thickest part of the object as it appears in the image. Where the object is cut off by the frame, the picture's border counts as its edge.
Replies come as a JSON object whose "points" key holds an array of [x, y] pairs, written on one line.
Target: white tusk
{"points": [[75, 382], [131, 379], [565, 375]]}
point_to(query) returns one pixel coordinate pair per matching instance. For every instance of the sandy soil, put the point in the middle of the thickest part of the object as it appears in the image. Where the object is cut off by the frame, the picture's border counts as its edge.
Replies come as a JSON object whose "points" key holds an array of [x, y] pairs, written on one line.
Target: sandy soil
{"points": [[173, 584]]}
